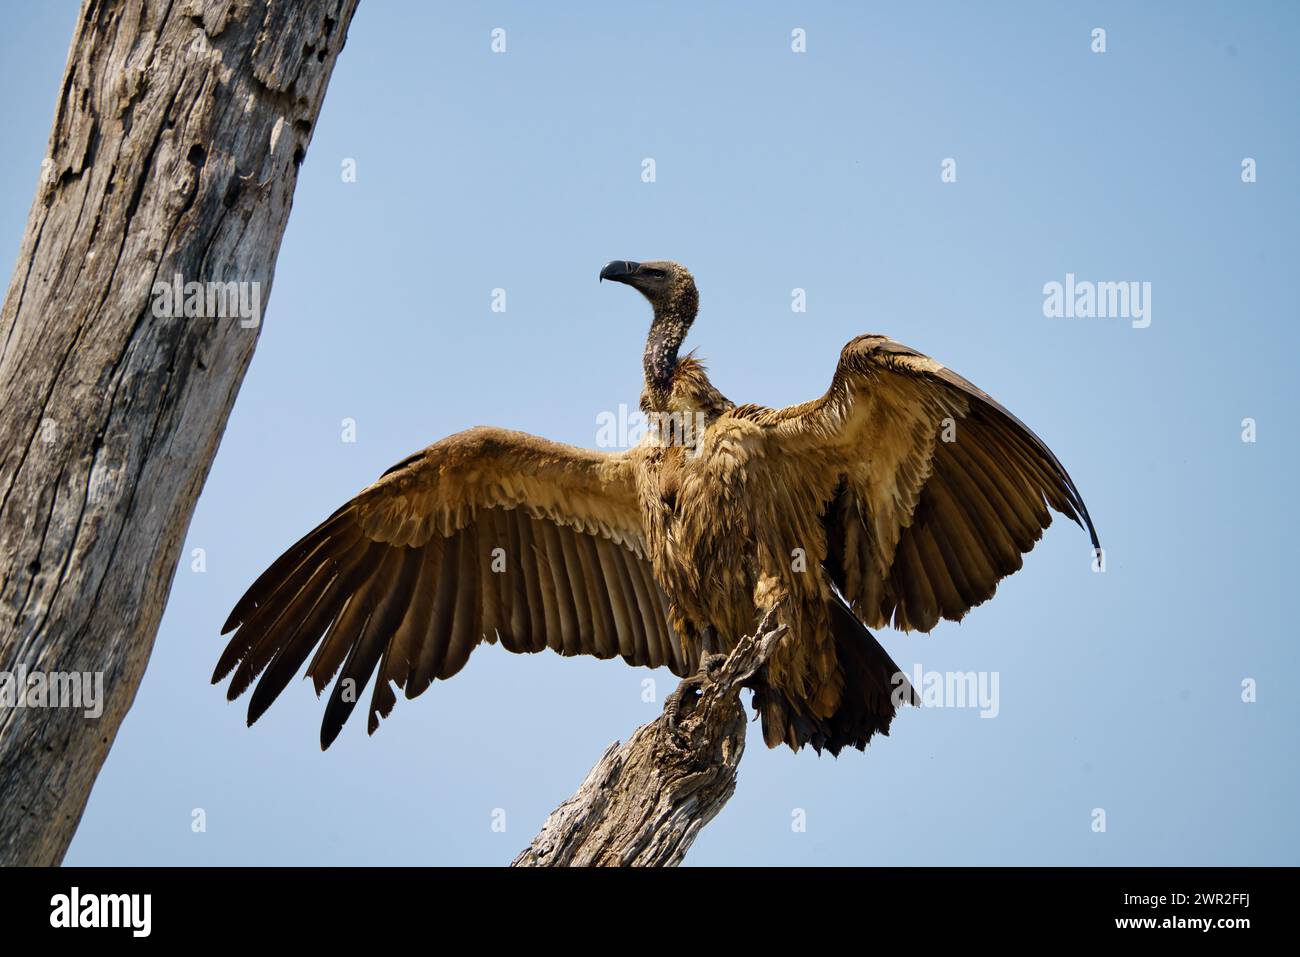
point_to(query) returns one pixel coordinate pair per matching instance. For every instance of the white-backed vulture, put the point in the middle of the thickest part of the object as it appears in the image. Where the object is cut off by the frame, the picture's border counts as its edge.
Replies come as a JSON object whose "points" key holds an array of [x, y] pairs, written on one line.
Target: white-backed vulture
{"points": [[901, 496]]}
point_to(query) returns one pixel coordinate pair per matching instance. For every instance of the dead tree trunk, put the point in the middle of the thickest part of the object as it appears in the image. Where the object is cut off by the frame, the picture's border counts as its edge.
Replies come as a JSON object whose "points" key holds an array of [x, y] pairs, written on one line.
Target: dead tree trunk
{"points": [[178, 134], [644, 801]]}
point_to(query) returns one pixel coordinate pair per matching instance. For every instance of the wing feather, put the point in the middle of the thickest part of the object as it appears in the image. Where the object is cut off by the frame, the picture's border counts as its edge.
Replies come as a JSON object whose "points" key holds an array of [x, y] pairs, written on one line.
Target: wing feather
{"points": [[930, 490], [404, 581]]}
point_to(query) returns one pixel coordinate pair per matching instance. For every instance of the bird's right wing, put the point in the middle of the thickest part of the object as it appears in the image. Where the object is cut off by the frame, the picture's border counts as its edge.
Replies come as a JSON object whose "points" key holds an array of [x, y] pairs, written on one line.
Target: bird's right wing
{"points": [[487, 534]]}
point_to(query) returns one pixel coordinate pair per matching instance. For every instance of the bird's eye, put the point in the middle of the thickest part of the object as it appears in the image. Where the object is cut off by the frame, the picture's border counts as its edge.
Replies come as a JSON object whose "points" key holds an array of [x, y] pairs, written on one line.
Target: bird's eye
{"points": [[656, 273]]}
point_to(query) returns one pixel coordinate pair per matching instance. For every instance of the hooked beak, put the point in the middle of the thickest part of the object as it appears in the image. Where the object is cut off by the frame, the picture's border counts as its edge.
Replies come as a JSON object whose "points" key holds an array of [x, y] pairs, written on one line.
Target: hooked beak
{"points": [[620, 270]]}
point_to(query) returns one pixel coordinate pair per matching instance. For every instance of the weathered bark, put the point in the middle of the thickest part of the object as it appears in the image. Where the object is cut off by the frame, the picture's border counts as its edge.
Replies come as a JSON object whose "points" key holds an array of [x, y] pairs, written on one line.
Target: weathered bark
{"points": [[644, 801], [177, 138]]}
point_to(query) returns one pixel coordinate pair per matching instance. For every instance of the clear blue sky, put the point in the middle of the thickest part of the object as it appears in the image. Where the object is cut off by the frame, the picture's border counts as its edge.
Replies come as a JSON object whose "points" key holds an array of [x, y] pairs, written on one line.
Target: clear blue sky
{"points": [[775, 170]]}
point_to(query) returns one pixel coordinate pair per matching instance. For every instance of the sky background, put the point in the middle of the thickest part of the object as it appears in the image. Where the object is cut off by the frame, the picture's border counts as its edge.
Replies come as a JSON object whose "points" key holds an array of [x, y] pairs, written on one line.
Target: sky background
{"points": [[1119, 690]]}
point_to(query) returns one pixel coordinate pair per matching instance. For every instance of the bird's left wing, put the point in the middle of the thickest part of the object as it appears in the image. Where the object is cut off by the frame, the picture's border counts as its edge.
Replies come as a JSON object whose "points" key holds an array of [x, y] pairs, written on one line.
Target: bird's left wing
{"points": [[932, 490], [487, 534]]}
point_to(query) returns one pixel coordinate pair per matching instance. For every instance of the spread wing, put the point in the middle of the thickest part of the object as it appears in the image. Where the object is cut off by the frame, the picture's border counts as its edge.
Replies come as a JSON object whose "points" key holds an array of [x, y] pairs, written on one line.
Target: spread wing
{"points": [[486, 535], [937, 491]]}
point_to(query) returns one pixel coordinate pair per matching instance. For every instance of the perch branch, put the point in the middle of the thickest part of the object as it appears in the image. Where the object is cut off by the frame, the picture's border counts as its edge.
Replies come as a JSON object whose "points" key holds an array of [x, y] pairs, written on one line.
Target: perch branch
{"points": [[645, 801]]}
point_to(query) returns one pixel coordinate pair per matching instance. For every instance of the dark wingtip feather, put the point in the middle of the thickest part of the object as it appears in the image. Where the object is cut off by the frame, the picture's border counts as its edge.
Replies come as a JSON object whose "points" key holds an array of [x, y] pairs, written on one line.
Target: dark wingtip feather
{"points": [[220, 671], [381, 704], [233, 654], [275, 573], [261, 699], [329, 732], [1048, 455], [1087, 521], [337, 712], [233, 620]]}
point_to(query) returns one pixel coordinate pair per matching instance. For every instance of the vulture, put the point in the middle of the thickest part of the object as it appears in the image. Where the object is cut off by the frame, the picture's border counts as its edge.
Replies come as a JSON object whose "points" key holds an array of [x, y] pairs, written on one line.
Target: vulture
{"points": [[900, 497]]}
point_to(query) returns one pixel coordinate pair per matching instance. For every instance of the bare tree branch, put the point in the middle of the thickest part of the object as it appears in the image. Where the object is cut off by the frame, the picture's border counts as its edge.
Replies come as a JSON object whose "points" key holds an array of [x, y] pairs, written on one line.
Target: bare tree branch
{"points": [[177, 138], [644, 801]]}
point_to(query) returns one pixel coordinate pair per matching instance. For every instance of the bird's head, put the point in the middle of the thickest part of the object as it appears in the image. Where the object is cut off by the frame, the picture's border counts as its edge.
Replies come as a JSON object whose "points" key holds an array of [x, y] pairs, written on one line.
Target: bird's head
{"points": [[669, 286]]}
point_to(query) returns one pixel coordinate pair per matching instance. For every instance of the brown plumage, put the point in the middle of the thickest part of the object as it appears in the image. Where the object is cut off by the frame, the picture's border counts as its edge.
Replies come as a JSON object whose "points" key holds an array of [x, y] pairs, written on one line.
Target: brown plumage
{"points": [[901, 496]]}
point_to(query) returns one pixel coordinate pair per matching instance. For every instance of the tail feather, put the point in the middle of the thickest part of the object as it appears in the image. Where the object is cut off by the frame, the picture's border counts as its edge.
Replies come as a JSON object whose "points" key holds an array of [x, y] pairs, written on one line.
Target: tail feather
{"points": [[874, 687]]}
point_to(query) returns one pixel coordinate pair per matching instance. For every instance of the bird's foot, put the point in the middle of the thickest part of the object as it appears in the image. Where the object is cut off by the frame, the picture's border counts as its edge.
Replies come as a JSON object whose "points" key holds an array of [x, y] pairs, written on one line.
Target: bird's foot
{"points": [[711, 664], [682, 701]]}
